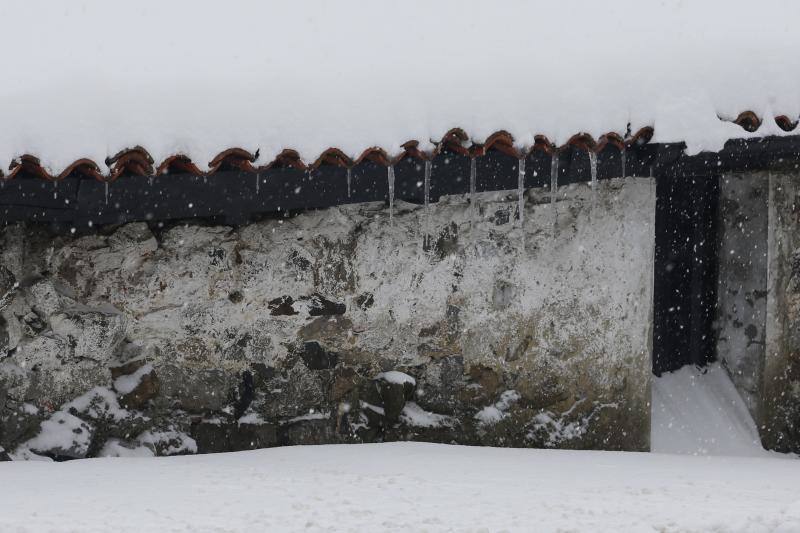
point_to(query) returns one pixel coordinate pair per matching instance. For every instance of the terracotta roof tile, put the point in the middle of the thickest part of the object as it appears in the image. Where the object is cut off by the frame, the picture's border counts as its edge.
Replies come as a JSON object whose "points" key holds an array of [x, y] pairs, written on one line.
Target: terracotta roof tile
{"points": [[134, 161], [333, 157], [376, 155], [178, 164], [233, 159], [287, 159], [785, 123], [137, 161], [748, 120]]}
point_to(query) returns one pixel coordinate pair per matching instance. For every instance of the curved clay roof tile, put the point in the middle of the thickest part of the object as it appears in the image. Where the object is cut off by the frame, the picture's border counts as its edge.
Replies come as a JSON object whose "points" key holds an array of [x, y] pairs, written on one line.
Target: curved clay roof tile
{"points": [[503, 142], [85, 167], [288, 158], [411, 149], [375, 154], [581, 141], [135, 161], [454, 141], [542, 144], [178, 164], [641, 137], [748, 120], [333, 157], [233, 159], [785, 123], [28, 164]]}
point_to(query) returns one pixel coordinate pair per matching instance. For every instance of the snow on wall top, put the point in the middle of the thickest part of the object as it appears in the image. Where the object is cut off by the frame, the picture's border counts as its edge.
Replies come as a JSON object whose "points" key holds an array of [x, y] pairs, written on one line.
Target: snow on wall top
{"points": [[93, 78]]}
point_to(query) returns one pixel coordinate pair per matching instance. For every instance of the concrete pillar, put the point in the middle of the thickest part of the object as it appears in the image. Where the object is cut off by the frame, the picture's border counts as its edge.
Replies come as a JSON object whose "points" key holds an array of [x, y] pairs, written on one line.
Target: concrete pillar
{"points": [[759, 299], [780, 419]]}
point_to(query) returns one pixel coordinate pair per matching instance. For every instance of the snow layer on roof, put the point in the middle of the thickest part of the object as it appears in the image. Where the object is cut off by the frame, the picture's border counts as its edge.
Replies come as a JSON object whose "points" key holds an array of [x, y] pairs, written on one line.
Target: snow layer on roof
{"points": [[89, 78]]}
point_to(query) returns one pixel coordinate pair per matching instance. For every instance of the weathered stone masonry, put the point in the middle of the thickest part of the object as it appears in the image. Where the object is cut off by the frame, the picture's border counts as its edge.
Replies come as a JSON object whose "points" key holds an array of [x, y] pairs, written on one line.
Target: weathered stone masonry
{"points": [[456, 323]]}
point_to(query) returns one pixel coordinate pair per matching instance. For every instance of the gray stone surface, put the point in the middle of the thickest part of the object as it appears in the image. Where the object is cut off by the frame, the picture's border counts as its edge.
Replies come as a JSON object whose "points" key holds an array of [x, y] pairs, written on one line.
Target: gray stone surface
{"points": [[759, 300], [780, 420], [742, 293], [531, 332]]}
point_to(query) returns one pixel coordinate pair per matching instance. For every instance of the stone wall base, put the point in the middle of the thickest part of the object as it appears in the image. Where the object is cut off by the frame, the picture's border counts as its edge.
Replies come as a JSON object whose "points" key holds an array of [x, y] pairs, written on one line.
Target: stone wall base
{"points": [[461, 323]]}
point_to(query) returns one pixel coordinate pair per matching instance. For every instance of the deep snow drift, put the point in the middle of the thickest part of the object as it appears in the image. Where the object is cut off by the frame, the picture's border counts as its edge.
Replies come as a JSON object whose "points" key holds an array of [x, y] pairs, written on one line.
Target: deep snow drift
{"points": [[197, 77], [700, 412], [406, 487]]}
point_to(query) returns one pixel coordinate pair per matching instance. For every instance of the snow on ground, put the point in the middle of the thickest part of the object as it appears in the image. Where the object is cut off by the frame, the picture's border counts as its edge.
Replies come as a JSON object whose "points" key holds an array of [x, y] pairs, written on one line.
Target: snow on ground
{"points": [[700, 412], [718, 478], [404, 487], [197, 77]]}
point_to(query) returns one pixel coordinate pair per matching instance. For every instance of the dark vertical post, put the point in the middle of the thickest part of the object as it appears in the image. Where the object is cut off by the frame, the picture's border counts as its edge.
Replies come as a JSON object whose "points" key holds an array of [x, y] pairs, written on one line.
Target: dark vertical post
{"points": [[685, 270]]}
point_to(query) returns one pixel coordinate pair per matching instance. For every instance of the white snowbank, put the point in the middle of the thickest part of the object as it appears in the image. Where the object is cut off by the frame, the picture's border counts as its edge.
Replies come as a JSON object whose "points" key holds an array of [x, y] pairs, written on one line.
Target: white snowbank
{"points": [[701, 413], [170, 441], [492, 414], [414, 415], [324, 415], [404, 487], [197, 77], [396, 377], [116, 448], [126, 384], [62, 434], [98, 402]]}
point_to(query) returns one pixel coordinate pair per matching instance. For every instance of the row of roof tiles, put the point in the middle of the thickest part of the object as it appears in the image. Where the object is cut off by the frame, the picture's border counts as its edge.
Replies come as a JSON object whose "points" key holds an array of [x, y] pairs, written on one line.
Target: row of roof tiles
{"points": [[138, 162]]}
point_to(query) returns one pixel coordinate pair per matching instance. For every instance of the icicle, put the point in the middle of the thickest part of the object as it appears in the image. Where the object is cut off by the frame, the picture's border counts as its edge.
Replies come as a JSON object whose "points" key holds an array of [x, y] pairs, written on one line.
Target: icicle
{"points": [[349, 180], [390, 176], [427, 184], [427, 192], [521, 190], [554, 188], [623, 156], [55, 190], [553, 178], [593, 171], [258, 183], [106, 185], [473, 178]]}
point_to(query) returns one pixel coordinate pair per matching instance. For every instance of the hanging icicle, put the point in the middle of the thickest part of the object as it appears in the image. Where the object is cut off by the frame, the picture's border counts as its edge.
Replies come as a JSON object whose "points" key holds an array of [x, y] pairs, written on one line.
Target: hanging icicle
{"points": [[554, 188], [593, 172], [349, 180], [427, 191], [521, 190], [473, 178], [106, 191], [390, 176], [553, 178], [427, 183], [258, 182], [623, 156]]}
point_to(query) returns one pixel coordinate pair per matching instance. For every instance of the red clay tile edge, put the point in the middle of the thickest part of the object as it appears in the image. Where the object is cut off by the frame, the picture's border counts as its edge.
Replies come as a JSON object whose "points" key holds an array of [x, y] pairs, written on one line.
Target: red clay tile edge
{"points": [[137, 161]]}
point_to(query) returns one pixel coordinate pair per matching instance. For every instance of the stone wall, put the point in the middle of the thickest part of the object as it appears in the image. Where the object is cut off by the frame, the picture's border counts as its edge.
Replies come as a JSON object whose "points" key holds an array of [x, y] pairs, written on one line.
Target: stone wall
{"points": [[759, 300], [458, 323]]}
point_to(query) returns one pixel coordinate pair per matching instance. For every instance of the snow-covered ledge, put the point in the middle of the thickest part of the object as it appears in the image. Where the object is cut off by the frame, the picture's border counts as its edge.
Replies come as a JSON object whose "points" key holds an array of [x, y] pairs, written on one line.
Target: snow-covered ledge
{"points": [[456, 323]]}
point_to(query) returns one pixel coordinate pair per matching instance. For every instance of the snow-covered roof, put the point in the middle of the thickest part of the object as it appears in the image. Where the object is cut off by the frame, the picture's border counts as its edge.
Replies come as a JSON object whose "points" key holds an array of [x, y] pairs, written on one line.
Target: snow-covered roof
{"points": [[85, 81]]}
